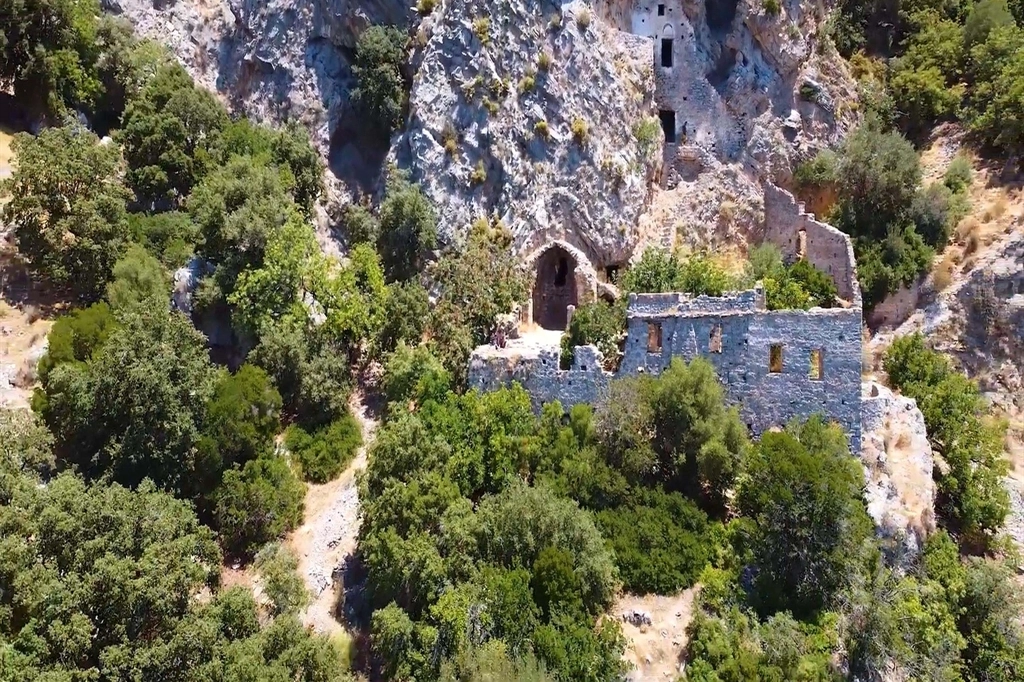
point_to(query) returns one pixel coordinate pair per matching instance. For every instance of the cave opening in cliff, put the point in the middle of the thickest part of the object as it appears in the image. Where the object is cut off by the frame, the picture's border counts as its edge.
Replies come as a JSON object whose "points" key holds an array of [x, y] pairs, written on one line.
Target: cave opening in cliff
{"points": [[666, 53], [555, 288], [720, 14]]}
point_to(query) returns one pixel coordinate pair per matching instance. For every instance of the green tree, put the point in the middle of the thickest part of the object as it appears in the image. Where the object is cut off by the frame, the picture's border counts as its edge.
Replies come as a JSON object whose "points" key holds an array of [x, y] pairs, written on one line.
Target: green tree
{"points": [[167, 133], [925, 81], [25, 444], [48, 49], [406, 316], [599, 323], [803, 493], [242, 417], [659, 271], [380, 89], [171, 237], [140, 281], [76, 337], [257, 503], [136, 410], [412, 373], [984, 17], [408, 228], [68, 208]]}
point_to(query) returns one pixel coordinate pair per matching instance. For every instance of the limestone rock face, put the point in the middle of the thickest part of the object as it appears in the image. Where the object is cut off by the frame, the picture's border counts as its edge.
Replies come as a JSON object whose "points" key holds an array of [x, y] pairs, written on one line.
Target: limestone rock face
{"points": [[897, 459], [532, 122]]}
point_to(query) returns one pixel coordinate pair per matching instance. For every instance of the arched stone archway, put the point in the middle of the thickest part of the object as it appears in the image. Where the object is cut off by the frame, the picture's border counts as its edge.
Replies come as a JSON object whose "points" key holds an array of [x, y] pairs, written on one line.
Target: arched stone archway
{"points": [[554, 289]]}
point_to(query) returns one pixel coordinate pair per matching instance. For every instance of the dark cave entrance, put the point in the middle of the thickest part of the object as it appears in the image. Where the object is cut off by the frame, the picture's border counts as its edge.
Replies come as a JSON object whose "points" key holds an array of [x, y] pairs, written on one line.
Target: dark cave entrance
{"points": [[555, 288], [668, 125], [720, 14]]}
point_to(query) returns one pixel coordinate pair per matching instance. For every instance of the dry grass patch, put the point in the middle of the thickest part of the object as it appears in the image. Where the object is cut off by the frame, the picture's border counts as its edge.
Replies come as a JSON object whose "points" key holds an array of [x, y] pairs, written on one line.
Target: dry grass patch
{"points": [[944, 272], [996, 209]]}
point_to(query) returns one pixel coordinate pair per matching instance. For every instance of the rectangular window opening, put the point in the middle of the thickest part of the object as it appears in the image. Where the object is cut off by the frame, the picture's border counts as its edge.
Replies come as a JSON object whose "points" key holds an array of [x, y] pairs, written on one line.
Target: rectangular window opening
{"points": [[775, 358], [661, 10], [668, 124], [715, 343], [653, 337], [666, 53], [817, 371]]}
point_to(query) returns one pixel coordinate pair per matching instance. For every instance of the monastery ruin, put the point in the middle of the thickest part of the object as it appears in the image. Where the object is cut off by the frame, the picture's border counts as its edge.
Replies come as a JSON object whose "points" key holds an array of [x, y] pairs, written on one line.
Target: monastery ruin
{"points": [[775, 365]]}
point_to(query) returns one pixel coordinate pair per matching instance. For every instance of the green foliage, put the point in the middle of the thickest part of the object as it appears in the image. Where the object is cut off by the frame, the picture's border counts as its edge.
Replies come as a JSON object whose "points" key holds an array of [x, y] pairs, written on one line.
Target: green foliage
{"points": [[166, 135], [25, 444], [647, 133], [380, 90], [278, 568], [360, 225], [408, 228], [925, 81], [136, 409], [959, 174], [817, 173], [75, 337], [985, 16], [600, 323], [68, 208], [659, 271], [476, 284], [413, 373], [171, 236], [971, 498], [49, 49], [771, 7], [406, 315], [325, 453], [802, 491], [257, 503], [99, 582], [798, 286], [140, 281], [660, 546], [242, 417]]}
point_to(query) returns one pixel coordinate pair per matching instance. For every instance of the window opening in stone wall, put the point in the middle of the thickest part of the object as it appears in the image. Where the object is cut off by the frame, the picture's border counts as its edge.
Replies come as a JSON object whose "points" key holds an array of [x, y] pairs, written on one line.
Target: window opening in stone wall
{"points": [[661, 10], [653, 337], [668, 124], [666, 53], [775, 358], [715, 343], [817, 371]]}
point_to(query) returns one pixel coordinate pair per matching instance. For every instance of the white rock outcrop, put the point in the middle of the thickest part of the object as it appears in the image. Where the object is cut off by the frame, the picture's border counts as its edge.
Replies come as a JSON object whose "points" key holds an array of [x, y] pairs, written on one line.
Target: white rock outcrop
{"points": [[897, 459]]}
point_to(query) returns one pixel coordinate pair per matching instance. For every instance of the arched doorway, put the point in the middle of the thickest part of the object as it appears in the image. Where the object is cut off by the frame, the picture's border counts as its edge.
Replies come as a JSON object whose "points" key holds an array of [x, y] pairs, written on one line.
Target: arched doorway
{"points": [[555, 288]]}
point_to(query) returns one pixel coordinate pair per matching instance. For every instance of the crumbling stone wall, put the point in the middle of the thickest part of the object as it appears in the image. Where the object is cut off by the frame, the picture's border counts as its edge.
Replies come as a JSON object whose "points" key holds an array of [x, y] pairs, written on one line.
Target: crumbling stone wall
{"points": [[737, 334], [799, 235]]}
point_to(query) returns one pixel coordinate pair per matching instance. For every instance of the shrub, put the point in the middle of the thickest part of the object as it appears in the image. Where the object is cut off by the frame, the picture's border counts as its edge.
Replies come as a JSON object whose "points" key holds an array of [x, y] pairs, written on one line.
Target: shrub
{"points": [[541, 129], [380, 87], [408, 228], [139, 280], [580, 130], [243, 416], [773, 8], [324, 453], [279, 572], [958, 176], [583, 19], [544, 60], [257, 504], [661, 546], [817, 173], [425, 7], [450, 139], [479, 174], [412, 373], [482, 30], [598, 323], [360, 225], [556, 21], [527, 83], [646, 133]]}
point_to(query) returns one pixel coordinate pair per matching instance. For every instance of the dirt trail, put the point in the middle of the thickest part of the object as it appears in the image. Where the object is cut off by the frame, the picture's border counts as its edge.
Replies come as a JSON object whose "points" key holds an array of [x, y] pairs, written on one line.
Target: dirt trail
{"points": [[655, 650], [328, 533]]}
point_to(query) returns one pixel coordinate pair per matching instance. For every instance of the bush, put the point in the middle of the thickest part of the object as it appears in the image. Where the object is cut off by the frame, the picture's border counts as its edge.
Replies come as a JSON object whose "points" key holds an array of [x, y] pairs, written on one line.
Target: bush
{"points": [[661, 546], [583, 19], [425, 7], [647, 134], [257, 503], [816, 174], [544, 60], [243, 416], [279, 574], [771, 7], [360, 225], [139, 280], [408, 228], [541, 129], [959, 174], [479, 174], [598, 323], [412, 373], [75, 337], [580, 131], [659, 271], [325, 453], [380, 87], [482, 30], [406, 316]]}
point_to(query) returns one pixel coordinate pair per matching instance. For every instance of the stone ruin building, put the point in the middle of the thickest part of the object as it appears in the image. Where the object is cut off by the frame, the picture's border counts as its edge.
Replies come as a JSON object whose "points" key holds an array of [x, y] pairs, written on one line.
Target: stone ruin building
{"points": [[776, 365]]}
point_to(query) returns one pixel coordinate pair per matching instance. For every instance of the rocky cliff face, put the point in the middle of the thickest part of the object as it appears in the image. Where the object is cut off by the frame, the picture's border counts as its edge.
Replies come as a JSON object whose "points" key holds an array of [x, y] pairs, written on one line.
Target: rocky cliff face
{"points": [[504, 90], [897, 459]]}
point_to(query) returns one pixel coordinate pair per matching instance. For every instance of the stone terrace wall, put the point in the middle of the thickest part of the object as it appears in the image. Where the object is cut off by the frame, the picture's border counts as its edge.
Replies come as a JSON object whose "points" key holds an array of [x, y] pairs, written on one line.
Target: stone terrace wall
{"points": [[826, 248], [584, 383]]}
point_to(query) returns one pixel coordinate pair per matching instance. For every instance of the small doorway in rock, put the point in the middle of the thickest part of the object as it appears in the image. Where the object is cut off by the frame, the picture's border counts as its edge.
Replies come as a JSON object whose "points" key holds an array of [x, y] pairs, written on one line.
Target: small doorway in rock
{"points": [[668, 124], [666, 53], [554, 289], [661, 10]]}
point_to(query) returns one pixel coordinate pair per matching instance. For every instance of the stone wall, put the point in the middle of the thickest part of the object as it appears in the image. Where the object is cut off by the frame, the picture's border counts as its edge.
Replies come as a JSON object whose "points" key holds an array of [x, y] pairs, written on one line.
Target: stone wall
{"points": [[745, 333], [824, 247]]}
